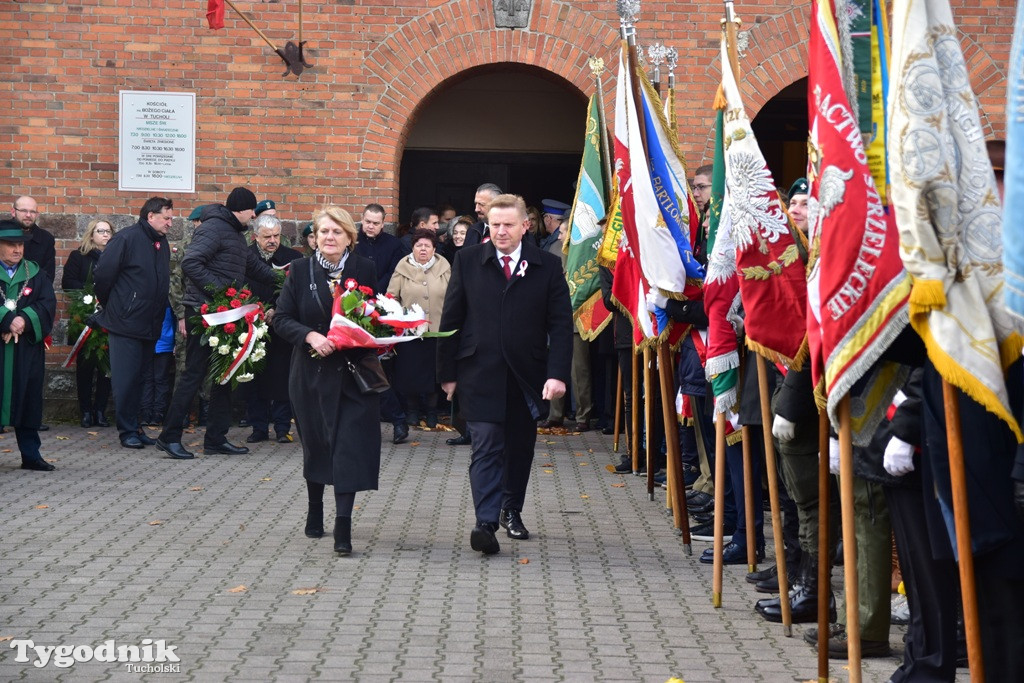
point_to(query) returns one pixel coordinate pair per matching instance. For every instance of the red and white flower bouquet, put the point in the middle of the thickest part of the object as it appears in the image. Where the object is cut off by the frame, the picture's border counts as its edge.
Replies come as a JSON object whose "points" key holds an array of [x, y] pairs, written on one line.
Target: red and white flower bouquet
{"points": [[362, 320]]}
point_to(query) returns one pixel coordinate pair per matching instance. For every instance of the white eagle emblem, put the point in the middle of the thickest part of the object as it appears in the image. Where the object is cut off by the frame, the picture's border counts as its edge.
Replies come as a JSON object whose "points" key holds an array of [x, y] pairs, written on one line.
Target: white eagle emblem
{"points": [[832, 188], [755, 210]]}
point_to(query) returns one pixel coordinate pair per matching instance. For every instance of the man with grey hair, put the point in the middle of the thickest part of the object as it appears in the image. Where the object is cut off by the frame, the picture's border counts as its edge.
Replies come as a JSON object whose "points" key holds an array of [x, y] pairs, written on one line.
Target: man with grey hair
{"points": [[267, 397], [479, 232]]}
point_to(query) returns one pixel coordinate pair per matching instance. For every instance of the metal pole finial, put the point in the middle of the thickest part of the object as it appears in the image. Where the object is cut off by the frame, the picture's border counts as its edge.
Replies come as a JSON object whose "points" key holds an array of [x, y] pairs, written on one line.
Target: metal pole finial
{"points": [[628, 11], [596, 65]]}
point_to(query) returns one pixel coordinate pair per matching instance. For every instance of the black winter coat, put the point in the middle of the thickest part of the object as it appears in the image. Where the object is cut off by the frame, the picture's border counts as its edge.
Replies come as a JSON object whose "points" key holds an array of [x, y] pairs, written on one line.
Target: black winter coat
{"points": [[272, 382], [338, 426], [40, 247], [218, 257], [131, 280], [77, 268], [385, 251], [504, 327]]}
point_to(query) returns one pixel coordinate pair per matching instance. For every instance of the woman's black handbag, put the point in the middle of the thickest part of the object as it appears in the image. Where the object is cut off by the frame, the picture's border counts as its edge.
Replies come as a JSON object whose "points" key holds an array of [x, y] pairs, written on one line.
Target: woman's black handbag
{"points": [[368, 374]]}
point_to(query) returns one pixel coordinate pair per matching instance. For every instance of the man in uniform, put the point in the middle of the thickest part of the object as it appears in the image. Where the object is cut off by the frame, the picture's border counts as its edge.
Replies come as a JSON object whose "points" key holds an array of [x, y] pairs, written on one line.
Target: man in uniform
{"points": [[26, 318]]}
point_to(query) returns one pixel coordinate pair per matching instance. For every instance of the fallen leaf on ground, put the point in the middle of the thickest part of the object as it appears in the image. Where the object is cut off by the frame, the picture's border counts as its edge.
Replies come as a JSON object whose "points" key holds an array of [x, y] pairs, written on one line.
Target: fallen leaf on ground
{"points": [[194, 444], [548, 464], [42, 507], [357, 507], [414, 443], [196, 488], [306, 591], [525, 560], [549, 471], [584, 464], [578, 454], [156, 522], [590, 450], [550, 442], [63, 438], [611, 468], [617, 486], [238, 589], [584, 496], [4, 639], [266, 479], [93, 433], [6, 450]]}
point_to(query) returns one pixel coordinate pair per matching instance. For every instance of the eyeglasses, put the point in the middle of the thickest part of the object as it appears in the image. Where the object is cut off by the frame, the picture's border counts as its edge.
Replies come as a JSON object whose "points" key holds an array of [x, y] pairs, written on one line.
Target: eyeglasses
{"points": [[103, 231], [702, 187], [30, 212]]}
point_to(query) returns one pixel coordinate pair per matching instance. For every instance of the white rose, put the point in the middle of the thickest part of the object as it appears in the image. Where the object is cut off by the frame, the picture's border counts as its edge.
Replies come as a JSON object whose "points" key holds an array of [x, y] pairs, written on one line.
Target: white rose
{"points": [[224, 350], [245, 377], [259, 331], [243, 338], [213, 342], [87, 299]]}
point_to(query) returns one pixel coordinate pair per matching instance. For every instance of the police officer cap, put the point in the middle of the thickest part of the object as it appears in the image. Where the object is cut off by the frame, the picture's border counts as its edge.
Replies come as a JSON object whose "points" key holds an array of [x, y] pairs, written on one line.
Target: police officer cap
{"points": [[798, 187], [197, 213], [10, 231], [264, 205], [555, 207]]}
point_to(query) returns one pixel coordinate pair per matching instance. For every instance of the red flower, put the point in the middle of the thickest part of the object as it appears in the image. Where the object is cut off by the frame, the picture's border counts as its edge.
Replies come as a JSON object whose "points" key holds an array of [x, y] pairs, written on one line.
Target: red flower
{"points": [[374, 315], [206, 324], [229, 328], [231, 291], [235, 303], [351, 284], [245, 294], [251, 316], [221, 309], [366, 290], [204, 308]]}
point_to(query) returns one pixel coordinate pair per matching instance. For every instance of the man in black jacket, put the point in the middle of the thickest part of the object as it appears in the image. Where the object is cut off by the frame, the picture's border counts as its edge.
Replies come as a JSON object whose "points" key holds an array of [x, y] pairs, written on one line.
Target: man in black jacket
{"points": [[507, 303], [217, 257], [39, 243], [131, 280]]}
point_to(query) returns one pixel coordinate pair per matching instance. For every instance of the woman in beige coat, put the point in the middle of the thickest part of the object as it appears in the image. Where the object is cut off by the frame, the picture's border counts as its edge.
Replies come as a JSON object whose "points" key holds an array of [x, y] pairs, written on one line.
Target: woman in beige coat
{"points": [[420, 278]]}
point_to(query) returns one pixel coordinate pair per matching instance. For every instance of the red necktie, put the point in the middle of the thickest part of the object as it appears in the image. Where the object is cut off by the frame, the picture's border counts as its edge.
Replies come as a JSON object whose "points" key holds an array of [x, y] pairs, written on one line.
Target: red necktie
{"points": [[507, 260]]}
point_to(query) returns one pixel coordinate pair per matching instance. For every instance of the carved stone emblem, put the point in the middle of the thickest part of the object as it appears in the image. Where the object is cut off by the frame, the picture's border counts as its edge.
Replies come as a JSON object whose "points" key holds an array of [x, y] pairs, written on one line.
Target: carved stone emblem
{"points": [[512, 13]]}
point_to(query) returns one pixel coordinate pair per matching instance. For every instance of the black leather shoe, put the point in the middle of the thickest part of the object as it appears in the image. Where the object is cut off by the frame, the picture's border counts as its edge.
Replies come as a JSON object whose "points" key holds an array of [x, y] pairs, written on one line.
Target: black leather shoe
{"points": [[132, 441], [732, 553], [226, 448], [625, 465], [482, 539], [145, 440], [315, 519], [257, 437], [343, 536], [37, 465], [702, 517], [462, 440], [100, 420], [763, 574], [698, 499], [803, 606], [174, 450], [401, 432], [43, 428], [549, 424], [86, 420], [701, 507], [512, 522], [284, 437]]}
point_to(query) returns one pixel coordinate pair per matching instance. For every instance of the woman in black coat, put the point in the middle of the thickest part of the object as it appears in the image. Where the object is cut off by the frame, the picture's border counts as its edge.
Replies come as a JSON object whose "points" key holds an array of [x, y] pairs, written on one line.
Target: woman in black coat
{"points": [[77, 269], [338, 425]]}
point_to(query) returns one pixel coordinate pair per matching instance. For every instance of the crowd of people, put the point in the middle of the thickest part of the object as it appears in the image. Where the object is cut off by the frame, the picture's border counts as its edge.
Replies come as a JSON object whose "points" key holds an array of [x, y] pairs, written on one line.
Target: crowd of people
{"points": [[512, 361]]}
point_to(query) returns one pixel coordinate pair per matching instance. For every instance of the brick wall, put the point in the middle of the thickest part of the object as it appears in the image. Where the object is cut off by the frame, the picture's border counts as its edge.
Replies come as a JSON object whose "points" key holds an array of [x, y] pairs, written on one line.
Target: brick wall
{"points": [[337, 132]]}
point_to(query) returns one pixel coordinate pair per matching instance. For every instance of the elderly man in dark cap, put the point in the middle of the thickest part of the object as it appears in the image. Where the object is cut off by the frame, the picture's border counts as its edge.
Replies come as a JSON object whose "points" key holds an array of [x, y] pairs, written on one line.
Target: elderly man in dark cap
{"points": [[216, 258], [27, 306]]}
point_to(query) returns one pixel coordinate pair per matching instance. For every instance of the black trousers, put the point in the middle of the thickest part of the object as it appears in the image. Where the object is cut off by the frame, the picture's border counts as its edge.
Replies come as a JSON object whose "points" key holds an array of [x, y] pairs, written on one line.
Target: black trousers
{"points": [[933, 591], [197, 360], [499, 471], [88, 375], [157, 378], [127, 359]]}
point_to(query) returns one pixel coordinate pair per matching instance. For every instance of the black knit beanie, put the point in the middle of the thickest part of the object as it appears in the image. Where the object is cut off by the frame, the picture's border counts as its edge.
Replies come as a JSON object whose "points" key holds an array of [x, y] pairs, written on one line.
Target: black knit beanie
{"points": [[241, 199]]}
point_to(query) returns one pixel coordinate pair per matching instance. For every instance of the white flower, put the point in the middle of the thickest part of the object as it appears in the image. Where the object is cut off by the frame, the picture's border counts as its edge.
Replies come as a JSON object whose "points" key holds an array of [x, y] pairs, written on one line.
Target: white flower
{"points": [[224, 350], [260, 330], [87, 299], [391, 307], [243, 338], [213, 342], [257, 354], [245, 377]]}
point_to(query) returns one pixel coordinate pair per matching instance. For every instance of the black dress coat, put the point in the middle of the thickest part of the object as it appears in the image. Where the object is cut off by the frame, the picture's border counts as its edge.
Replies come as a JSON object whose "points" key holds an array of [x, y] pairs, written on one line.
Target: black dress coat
{"points": [[339, 426], [272, 382], [504, 329], [77, 268], [22, 365]]}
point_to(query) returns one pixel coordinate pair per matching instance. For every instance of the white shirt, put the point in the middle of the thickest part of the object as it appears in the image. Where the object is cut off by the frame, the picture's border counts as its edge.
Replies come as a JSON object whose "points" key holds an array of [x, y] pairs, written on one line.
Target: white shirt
{"points": [[516, 255]]}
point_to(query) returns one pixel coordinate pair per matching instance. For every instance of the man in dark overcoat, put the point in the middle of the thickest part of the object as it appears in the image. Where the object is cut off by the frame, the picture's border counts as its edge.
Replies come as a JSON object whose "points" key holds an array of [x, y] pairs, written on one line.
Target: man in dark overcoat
{"points": [[267, 399], [511, 352], [26, 318]]}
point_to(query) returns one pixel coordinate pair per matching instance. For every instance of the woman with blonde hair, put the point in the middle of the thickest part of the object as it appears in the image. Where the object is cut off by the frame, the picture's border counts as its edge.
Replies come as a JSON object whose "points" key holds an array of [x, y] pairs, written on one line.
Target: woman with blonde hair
{"points": [[77, 272], [337, 423]]}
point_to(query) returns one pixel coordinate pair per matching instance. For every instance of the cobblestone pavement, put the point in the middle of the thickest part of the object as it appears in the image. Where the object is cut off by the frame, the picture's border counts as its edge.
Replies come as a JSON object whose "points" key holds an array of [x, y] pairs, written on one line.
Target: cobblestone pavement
{"points": [[125, 545]]}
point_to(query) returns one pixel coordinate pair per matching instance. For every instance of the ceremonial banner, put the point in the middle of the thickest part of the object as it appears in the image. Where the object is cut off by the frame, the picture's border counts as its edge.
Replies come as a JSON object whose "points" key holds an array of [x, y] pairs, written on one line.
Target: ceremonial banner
{"points": [[857, 288], [215, 13], [721, 287], [588, 207], [772, 279], [1013, 173], [948, 209]]}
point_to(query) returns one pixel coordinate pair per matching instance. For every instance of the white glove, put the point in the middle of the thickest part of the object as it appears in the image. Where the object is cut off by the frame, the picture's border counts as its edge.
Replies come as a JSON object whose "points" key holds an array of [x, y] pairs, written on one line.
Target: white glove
{"points": [[833, 456], [655, 299], [783, 429], [899, 457]]}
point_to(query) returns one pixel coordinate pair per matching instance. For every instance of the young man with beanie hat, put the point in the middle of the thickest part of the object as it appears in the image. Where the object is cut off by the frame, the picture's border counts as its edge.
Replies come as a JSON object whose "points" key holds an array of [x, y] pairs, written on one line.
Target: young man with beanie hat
{"points": [[217, 257]]}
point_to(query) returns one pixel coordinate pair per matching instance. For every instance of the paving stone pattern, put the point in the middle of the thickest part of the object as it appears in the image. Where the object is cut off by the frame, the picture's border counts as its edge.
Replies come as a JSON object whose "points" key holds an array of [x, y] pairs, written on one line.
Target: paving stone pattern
{"points": [[133, 546]]}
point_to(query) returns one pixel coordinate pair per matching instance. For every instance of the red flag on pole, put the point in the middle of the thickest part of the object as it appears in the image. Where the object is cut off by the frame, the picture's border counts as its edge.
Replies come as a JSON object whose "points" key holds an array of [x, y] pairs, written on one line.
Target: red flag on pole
{"points": [[215, 13]]}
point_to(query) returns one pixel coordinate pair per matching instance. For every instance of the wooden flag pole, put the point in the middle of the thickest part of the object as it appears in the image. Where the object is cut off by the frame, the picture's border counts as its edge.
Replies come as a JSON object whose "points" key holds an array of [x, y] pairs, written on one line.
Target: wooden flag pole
{"points": [[617, 420], [849, 540], [773, 496], [716, 581], [748, 500], [824, 557], [962, 521], [673, 460], [246, 19], [634, 413], [648, 421]]}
